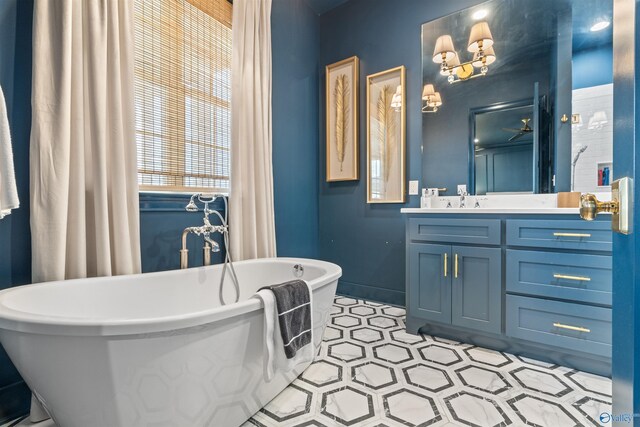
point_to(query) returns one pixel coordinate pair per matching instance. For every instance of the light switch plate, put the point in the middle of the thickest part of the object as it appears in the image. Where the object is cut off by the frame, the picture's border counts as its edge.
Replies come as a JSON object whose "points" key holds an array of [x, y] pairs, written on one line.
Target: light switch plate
{"points": [[413, 188]]}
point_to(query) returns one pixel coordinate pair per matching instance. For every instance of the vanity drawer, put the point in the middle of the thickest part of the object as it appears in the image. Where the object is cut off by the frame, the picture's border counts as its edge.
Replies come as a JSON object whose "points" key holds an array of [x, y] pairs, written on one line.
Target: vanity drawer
{"points": [[560, 234], [576, 277], [561, 324], [474, 231]]}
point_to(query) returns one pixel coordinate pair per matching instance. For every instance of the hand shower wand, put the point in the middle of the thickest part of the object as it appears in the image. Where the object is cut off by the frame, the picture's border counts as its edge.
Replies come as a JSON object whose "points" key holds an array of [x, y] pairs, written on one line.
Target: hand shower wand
{"points": [[206, 231]]}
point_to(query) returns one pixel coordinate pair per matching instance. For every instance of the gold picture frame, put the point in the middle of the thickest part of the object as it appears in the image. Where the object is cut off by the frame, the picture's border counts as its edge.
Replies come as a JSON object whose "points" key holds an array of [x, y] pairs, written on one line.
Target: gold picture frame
{"points": [[386, 136], [342, 91]]}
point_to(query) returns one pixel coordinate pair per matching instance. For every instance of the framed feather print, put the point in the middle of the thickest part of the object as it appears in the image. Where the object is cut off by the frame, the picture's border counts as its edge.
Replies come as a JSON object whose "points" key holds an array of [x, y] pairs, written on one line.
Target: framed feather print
{"points": [[386, 116], [342, 120]]}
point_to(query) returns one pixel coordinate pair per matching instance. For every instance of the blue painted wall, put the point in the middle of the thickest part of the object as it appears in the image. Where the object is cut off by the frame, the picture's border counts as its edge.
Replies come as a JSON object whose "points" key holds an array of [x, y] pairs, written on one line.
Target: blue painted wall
{"points": [[162, 219], [15, 239], [367, 241], [295, 43], [593, 67]]}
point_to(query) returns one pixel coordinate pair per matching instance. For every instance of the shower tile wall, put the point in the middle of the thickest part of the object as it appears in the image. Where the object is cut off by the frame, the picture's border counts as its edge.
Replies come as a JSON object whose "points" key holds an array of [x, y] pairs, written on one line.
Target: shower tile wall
{"points": [[599, 140]]}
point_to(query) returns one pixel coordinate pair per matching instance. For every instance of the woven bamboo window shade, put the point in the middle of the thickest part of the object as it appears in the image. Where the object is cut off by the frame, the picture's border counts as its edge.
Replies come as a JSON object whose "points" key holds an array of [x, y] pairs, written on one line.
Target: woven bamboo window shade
{"points": [[183, 94]]}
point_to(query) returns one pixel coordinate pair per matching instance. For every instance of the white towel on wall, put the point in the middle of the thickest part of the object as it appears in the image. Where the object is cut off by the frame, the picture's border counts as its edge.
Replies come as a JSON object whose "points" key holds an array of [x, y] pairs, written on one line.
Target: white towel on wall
{"points": [[274, 358], [8, 191]]}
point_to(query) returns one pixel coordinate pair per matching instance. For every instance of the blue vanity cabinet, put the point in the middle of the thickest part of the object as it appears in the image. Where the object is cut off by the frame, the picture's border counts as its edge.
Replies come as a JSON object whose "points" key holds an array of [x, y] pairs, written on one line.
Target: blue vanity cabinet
{"points": [[567, 325], [533, 285], [558, 284], [429, 282], [458, 285], [476, 288], [567, 276], [571, 234]]}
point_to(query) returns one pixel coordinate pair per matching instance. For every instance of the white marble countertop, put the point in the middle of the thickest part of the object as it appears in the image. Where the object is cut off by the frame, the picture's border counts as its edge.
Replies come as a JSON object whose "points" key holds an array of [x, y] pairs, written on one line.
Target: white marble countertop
{"points": [[477, 211], [540, 204]]}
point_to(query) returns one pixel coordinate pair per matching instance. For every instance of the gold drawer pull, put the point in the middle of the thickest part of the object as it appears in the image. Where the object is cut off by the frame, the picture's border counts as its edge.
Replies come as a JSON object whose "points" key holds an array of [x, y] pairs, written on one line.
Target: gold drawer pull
{"points": [[566, 276], [571, 234], [571, 328], [445, 264], [455, 270]]}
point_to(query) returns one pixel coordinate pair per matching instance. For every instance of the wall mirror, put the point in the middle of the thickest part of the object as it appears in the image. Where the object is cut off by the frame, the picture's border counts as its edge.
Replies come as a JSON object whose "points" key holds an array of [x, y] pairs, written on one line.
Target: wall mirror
{"points": [[503, 146], [518, 97]]}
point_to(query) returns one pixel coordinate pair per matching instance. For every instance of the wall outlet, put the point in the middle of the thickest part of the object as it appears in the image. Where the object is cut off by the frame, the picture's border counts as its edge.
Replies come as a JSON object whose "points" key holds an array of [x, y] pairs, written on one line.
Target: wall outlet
{"points": [[413, 188], [462, 189]]}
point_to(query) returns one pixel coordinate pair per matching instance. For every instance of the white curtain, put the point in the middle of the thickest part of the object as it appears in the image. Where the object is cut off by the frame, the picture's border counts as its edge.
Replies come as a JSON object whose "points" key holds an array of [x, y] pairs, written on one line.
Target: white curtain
{"points": [[252, 223], [84, 191]]}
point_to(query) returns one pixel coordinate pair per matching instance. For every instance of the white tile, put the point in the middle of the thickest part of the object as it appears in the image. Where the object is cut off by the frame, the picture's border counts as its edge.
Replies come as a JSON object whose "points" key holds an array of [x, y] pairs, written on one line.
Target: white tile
{"points": [[428, 378], [367, 335], [322, 373], [348, 405], [477, 410], [362, 310], [439, 354], [544, 382], [347, 321], [590, 382], [488, 357], [412, 408], [392, 353], [402, 336], [292, 400], [382, 322], [346, 351], [483, 379], [394, 311], [544, 413], [373, 375]]}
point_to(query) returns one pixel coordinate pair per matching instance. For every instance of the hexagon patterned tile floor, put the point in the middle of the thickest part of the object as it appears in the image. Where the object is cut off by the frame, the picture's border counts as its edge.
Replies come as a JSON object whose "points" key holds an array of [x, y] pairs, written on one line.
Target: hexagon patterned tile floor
{"points": [[371, 373]]}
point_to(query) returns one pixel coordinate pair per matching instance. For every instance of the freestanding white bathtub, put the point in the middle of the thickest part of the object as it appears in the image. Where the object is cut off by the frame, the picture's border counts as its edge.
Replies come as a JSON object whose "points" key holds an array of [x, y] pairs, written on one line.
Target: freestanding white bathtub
{"points": [[153, 349]]}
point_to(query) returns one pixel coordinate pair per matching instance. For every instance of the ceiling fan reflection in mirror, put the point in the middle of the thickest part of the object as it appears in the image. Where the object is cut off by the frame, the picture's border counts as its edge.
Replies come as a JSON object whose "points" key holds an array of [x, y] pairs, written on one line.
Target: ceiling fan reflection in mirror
{"points": [[519, 133]]}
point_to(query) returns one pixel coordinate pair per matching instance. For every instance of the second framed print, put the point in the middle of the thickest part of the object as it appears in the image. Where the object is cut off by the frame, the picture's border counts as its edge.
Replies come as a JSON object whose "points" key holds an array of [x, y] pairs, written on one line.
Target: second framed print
{"points": [[386, 116], [342, 120]]}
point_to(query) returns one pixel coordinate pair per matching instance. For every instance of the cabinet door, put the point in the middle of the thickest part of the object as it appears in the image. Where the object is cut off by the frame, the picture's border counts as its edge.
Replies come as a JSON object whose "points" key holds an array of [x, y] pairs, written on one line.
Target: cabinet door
{"points": [[429, 295], [476, 300]]}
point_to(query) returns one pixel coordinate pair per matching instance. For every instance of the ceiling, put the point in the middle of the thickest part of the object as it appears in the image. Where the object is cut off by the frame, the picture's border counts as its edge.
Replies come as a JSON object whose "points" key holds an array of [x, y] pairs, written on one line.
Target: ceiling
{"points": [[322, 6], [585, 13]]}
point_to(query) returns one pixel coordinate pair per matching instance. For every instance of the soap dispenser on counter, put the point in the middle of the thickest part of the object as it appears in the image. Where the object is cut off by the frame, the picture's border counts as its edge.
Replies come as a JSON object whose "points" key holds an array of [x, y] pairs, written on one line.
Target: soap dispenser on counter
{"points": [[428, 194]]}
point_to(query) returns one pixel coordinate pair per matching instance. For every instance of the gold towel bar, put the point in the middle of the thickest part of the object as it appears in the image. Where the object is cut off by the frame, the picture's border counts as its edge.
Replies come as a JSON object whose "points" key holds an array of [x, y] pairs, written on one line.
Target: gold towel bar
{"points": [[572, 328], [566, 276]]}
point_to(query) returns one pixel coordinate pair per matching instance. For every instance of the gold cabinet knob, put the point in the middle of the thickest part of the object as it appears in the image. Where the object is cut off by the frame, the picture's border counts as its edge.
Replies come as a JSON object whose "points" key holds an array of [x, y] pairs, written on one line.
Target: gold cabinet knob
{"points": [[590, 207]]}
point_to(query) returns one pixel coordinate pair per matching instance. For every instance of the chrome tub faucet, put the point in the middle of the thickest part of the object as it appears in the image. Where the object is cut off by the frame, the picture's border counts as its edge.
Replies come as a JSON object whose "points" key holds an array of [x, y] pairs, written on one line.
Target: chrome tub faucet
{"points": [[204, 230]]}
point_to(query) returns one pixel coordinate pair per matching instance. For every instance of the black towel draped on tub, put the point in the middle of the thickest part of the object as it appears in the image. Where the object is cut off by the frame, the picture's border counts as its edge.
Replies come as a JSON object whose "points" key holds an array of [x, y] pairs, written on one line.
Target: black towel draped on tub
{"points": [[294, 314]]}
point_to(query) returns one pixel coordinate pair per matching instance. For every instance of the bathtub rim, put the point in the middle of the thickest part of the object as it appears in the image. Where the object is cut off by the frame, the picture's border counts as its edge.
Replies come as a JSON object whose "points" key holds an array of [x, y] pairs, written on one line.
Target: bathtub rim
{"points": [[35, 323]]}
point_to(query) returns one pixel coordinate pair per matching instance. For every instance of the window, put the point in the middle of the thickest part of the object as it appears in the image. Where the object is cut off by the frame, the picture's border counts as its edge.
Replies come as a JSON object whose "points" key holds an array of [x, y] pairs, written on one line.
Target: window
{"points": [[183, 94]]}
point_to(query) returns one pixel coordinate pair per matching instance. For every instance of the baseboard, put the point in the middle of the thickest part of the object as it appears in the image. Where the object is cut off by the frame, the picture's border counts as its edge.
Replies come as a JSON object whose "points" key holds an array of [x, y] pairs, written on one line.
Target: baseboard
{"points": [[371, 293], [15, 400]]}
